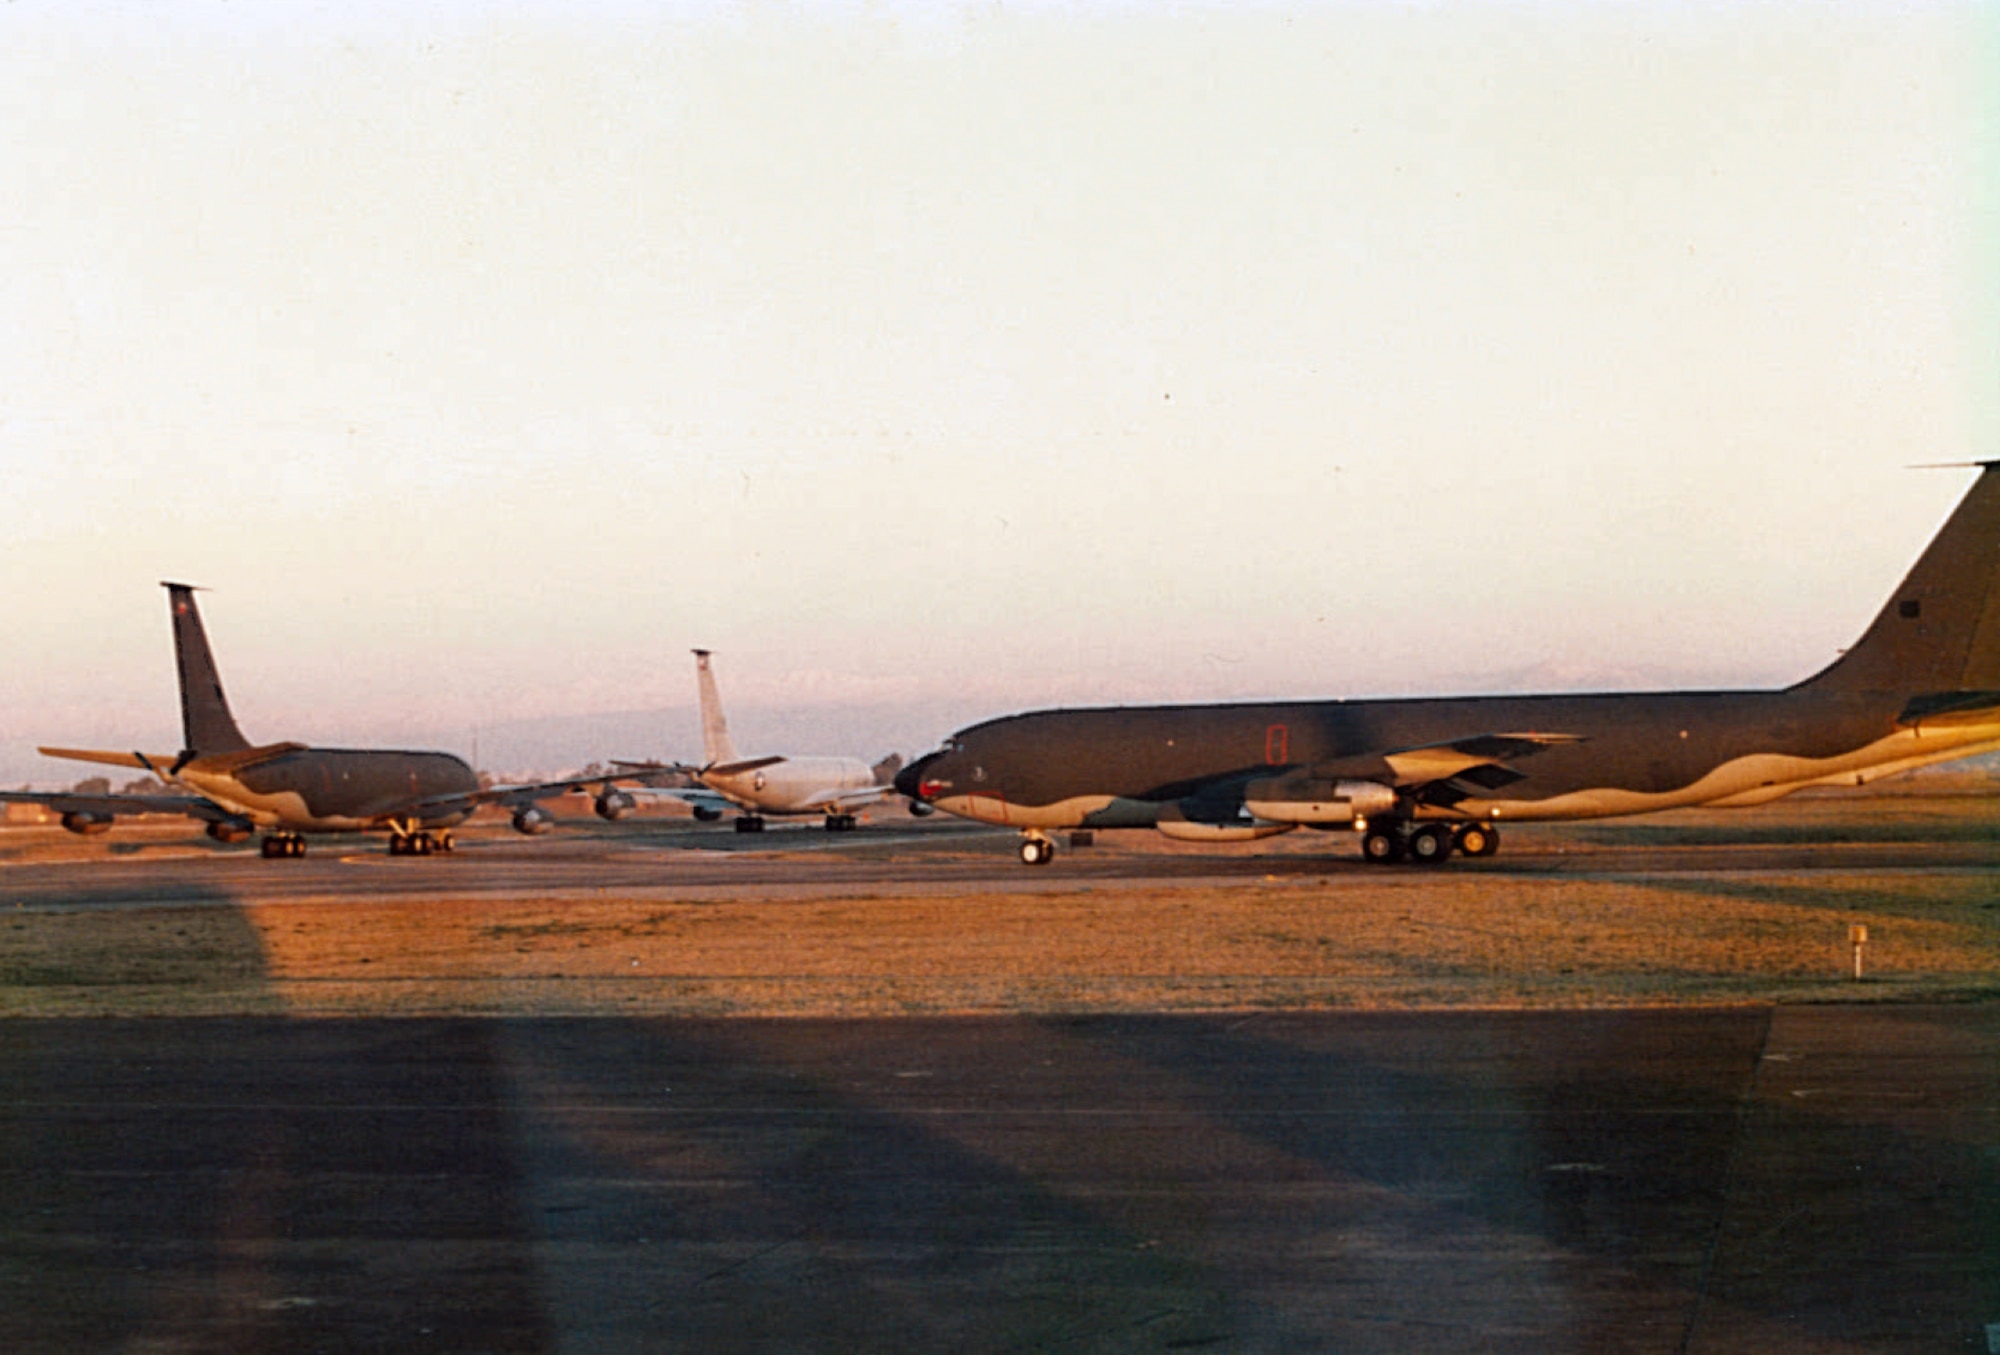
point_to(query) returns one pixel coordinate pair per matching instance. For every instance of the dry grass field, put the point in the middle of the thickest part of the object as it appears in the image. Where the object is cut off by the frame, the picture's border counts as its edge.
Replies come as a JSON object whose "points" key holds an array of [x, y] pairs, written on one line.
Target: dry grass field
{"points": [[1046, 942]]}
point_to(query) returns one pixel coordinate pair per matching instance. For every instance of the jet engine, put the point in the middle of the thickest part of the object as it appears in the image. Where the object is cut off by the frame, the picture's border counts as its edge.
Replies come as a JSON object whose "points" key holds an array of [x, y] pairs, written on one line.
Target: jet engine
{"points": [[533, 819], [86, 821], [1206, 825], [230, 830], [1298, 799], [614, 805]]}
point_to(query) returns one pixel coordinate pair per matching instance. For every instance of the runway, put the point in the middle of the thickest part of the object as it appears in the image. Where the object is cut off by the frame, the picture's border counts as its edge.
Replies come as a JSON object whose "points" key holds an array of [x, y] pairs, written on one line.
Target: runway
{"points": [[1812, 1179], [647, 858], [1156, 1137]]}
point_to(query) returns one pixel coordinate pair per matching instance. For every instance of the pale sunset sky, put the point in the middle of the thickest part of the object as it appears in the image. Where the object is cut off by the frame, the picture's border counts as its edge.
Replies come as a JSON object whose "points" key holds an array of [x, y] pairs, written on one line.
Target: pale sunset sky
{"points": [[935, 361]]}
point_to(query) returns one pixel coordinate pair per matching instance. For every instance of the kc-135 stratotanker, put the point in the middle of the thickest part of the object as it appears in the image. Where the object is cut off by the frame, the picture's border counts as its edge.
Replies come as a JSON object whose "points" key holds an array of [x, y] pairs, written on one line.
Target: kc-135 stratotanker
{"points": [[1422, 779], [288, 789]]}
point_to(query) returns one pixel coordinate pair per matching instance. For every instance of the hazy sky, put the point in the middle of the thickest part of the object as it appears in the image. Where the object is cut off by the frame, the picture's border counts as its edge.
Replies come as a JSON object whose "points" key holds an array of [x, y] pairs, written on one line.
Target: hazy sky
{"points": [[935, 361]]}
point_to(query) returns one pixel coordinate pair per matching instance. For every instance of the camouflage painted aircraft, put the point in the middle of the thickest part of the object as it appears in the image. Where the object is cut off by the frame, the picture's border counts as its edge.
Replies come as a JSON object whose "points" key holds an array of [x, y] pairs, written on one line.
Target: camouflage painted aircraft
{"points": [[1421, 779], [288, 789], [831, 787]]}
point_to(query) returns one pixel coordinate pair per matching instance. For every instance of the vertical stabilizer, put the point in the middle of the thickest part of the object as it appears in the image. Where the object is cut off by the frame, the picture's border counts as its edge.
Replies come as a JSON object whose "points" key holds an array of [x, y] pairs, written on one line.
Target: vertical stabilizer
{"points": [[1940, 631], [206, 724], [716, 746]]}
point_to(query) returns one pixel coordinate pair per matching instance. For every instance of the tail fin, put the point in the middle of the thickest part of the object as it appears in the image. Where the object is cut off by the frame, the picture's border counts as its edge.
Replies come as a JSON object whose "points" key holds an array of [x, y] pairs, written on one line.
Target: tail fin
{"points": [[716, 745], [206, 724], [1940, 631]]}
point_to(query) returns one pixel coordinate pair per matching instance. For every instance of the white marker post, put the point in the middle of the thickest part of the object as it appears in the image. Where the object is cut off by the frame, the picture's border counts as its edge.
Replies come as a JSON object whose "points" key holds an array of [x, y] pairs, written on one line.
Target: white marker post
{"points": [[1857, 937]]}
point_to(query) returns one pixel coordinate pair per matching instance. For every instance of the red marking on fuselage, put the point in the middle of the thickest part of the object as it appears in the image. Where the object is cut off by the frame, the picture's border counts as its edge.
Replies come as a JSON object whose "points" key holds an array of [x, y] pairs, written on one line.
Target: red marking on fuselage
{"points": [[1277, 745]]}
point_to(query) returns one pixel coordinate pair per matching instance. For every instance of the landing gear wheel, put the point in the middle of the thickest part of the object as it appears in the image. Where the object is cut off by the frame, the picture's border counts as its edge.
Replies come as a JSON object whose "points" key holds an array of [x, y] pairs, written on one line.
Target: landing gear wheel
{"points": [[1430, 845], [278, 845], [749, 823], [1478, 839], [1037, 851], [840, 823], [1383, 846]]}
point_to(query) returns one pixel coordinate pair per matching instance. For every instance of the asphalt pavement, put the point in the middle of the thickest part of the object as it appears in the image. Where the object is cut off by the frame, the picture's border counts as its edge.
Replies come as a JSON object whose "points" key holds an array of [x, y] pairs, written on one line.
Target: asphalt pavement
{"points": [[1742, 1179]]}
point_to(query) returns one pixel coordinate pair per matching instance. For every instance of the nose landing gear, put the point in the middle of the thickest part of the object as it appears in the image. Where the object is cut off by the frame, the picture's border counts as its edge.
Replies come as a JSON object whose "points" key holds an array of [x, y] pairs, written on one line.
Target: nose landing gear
{"points": [[1036, 849]]}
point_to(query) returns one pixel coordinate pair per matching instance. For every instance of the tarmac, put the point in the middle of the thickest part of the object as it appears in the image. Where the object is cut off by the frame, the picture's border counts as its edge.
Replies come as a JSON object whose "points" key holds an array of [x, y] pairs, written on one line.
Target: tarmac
{"points": [[1694, 1180], [1820, 1179]]}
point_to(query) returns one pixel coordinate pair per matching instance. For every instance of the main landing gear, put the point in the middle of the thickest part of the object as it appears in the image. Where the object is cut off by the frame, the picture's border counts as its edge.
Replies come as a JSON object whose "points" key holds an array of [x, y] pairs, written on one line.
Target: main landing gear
{"points": [[1036, 850], [419, 844], [840, 823], [276, 845], [1429, 844], [749, 823]]}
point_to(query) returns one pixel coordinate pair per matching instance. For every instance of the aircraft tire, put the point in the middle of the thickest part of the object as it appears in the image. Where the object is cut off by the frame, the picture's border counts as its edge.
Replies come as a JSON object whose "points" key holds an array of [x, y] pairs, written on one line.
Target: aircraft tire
{"points": [[1037, 851], [1477, 839], [1430, 845], [749, 823], [1383, 846]]}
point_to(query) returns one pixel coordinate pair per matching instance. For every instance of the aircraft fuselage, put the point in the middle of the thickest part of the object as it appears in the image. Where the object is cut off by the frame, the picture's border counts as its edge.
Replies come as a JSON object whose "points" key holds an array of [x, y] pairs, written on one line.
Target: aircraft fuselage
{"points": [[1121, 767], [321, 790], [796, 785]]}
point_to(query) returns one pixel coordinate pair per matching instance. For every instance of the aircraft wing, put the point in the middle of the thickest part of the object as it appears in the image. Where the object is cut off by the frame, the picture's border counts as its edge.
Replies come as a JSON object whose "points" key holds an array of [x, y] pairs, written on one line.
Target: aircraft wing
{"points": [[1470, 757], [516, 797], [1445, 773], [75, 802], [700, 797], [102, 809]]}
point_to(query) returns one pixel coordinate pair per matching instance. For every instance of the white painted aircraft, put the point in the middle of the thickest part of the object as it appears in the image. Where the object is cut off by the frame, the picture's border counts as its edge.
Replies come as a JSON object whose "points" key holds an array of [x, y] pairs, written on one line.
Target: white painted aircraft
{"points": [[832, 787]]}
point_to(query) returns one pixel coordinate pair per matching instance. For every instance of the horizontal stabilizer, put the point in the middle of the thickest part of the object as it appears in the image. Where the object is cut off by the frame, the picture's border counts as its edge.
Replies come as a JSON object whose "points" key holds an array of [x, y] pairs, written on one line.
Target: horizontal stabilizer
{"points": [[144, 762]]}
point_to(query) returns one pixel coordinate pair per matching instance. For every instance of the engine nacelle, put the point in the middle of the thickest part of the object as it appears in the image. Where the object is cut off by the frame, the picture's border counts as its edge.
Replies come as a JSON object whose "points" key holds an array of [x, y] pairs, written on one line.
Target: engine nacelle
{"points": [[614, 805], [1174, 823], [87, 821], [533, 820], [230, 830], [1297, 799]]}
